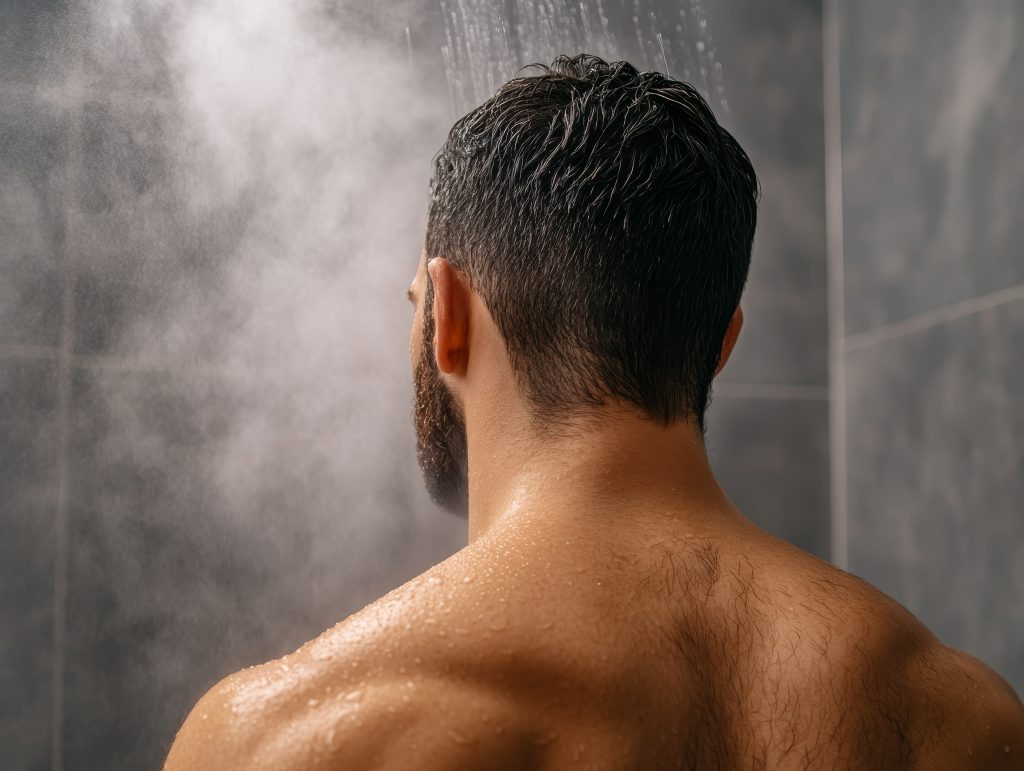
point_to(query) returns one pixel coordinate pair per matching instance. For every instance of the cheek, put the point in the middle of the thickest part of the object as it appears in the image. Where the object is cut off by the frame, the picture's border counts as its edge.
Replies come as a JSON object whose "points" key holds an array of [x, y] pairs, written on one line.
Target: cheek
{"points": [[415, 338]]}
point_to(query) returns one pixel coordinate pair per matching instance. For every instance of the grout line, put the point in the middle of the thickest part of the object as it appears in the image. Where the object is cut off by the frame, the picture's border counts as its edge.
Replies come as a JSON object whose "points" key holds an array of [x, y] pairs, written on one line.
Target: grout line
{"points": [[16, 351], [95, 361], [929, 319], [65, 367], [770, 391], [839, 539]]}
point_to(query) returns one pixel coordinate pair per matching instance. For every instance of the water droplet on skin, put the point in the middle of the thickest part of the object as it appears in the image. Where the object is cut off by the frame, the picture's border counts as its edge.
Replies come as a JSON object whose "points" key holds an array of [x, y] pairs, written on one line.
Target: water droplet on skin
{"points": [[433, 580], [458, 738], [970, 752], [312, 702], [354, 696], [1006, 748], [408, 627], [330, 738], [441, 633]]}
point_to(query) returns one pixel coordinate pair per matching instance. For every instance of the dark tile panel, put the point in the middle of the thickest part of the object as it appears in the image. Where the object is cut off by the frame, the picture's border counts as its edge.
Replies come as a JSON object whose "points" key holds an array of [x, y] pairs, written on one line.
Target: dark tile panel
{"points": [[936, 479], [771, 457], [33, 39], [159, 572], [28, 455], [33, 161], [143, 242], [772, 72], [215, 525], [130, 50], [933, 165]]}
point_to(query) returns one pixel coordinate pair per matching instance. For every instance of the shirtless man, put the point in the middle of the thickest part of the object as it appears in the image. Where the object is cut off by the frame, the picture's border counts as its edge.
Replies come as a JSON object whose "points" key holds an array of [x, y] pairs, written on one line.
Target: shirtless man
{"points": [[588, 240]]}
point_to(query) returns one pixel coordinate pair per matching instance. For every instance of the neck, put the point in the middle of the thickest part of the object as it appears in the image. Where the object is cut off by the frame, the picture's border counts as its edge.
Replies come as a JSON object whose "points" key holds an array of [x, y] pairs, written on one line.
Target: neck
{"points": [[617, 469]]}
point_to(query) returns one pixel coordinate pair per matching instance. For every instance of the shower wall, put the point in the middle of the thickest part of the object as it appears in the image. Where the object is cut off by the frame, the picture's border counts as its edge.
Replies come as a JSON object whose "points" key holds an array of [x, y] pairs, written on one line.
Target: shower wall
{"points": [[768, 423], [933, 198], [205, 451]]}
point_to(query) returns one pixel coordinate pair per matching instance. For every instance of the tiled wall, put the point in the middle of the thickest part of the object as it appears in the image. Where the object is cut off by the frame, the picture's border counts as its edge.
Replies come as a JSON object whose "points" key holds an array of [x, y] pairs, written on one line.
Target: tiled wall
{"points": [[933, 192], [124, 593], [130, 580], [768, 423]]}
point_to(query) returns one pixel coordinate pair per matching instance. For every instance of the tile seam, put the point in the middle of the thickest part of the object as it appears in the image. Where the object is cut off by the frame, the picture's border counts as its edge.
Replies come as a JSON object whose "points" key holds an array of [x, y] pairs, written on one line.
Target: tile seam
{"points": [[933, 318], [835, 262]]}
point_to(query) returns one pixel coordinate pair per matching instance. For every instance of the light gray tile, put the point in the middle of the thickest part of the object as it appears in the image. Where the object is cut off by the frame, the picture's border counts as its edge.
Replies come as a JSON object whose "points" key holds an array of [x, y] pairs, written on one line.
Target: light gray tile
{"points": [[771, 457], [936, 479], [772, 72], [933, 165]]}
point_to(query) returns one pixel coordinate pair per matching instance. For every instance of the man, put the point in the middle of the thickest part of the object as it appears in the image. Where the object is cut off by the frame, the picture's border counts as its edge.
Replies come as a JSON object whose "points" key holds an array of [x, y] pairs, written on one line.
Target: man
{"points": [[588, 240]]}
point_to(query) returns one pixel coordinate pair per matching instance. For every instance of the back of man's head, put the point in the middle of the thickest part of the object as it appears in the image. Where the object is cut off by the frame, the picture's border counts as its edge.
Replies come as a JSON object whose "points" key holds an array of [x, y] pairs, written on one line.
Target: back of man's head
{"points": [[606, 220]]}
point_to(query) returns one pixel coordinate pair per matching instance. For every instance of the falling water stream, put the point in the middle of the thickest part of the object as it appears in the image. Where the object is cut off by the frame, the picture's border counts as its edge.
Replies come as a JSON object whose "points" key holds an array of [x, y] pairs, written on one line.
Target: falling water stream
{"points": [[488, 41]]}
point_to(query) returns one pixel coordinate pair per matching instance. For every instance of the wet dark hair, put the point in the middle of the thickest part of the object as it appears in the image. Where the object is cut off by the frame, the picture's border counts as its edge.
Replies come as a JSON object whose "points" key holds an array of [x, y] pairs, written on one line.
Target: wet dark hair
{"points": [[606, 220]]}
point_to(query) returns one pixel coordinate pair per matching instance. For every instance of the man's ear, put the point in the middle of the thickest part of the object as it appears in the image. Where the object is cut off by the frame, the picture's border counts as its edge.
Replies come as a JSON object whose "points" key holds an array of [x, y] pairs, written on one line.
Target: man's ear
{"points": [[451, 316], [732, 333]]}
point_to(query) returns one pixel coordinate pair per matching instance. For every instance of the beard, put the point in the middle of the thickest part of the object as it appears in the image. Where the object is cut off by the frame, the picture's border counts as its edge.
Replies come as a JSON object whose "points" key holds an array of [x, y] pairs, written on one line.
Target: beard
{"points": [[440, 428]]}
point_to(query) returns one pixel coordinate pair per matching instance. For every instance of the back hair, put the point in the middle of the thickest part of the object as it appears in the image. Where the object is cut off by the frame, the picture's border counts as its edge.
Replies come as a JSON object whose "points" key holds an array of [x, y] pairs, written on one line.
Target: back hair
{"points": [[606, 220]]}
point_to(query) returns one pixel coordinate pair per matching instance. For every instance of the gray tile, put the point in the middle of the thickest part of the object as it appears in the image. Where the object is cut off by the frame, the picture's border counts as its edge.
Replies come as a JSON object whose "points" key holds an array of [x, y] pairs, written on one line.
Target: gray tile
{"points": [[771, 56], [210, 533], [131, 51], [936, 479], [28, 453], [141, 242], [33, 153], [32, 38], [933, 166], [771, 457], [159, 574]]}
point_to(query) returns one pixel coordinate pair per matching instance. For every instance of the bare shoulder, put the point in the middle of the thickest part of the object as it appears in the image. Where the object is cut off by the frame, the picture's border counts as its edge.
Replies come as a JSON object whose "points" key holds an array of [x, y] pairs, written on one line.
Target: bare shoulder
{"points": [[381, 724], [937, 707], [370, 693], [974, 717]]}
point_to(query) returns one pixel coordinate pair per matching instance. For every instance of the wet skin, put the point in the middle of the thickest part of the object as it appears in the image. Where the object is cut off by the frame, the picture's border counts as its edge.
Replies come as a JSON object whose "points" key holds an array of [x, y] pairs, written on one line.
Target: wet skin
{"points": [[613, 610], [540, 647]]}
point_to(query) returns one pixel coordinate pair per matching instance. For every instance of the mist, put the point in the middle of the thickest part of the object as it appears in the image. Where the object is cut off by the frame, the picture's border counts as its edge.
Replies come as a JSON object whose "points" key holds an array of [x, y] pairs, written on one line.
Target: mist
{"points": [[210, 211], [241, 196]]}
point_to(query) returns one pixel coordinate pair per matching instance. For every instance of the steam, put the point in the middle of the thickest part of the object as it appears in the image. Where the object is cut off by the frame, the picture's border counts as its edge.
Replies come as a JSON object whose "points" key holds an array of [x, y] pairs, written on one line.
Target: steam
{"points": [[246, 186]]}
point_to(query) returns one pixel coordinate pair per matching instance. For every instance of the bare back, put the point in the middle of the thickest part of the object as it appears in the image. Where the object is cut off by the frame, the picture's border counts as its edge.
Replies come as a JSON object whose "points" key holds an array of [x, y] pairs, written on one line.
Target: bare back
{"points": [[728, 650]]}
